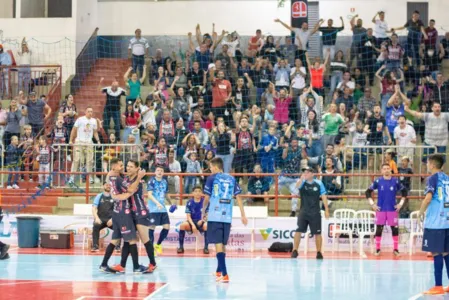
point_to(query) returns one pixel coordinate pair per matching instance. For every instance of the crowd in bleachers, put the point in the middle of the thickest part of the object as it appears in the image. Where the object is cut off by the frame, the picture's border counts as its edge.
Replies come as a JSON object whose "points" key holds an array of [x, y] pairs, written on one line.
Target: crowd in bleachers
{"points": [[267, 106]]}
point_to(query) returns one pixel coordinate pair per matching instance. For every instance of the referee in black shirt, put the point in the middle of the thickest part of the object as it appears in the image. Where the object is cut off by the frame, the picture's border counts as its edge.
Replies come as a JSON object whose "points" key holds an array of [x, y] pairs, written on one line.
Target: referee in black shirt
{"points": [[310, 192]]}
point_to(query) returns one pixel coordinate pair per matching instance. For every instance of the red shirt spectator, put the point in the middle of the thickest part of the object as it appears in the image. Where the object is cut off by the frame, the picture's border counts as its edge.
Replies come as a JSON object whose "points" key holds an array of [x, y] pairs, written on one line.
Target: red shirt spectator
{"points": [[221, 90], [317, 77], [432, 35], [132, 119]]}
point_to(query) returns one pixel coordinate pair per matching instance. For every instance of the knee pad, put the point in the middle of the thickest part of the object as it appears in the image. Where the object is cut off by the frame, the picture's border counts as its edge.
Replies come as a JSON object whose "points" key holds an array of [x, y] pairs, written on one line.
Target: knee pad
{"points": [[395, 230], [379, 229]]}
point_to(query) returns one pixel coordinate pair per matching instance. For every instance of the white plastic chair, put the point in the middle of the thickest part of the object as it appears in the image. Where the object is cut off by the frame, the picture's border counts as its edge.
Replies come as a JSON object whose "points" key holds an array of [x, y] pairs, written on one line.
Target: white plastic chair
{"points": [[366, 220], [343, 224], [307, 237], [416, 230], [84, 210]]}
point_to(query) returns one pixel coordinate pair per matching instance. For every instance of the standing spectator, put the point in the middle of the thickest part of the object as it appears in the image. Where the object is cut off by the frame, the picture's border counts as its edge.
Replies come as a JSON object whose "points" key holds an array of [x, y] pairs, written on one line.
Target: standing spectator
{"points": [[405, 137], [255, 44], [332, 121], [26, 143], [380, 28], [368, 56], [432, 36], [166, 126], [310, 100], [436, 128], [376, 124], [268, 148], [232, 42], [203, 55], [102, 208], [269, 51], [288, 50], [445, 44], [83, 132], [68, 111], [395, 53], [200, 133], [395, 109], [346, 82], [156, 62], [193, 167], [358, 31], [329, 36], [131, 121], [221, 93], [346, 99], [196, 77], [415, 28], [112, 107], [174, 167], [226, 60], [223, 140], [12, 161], [3, 120], [302, 35], [366, 103], [313, 133], [297, 76], [282, 102], [138, 48], [44, 157], [182, 105], [263, 76], [12, 122], [160, 154], [440, 92], [387, 84], [37, 110], [317, 71], [282, 75], [146, 111], [338, 66], [134, 84], [245, 148], [5, 62], [24, 76]]}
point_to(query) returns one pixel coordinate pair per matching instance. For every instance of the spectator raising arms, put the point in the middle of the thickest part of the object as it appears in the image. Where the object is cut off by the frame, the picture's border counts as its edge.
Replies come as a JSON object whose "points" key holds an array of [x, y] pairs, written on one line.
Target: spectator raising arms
{"points": [[133, 84]]}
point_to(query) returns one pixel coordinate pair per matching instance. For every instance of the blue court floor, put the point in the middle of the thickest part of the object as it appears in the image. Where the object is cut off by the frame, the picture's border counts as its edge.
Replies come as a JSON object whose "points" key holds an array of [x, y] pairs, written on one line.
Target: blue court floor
{"points": [[50, 276]]}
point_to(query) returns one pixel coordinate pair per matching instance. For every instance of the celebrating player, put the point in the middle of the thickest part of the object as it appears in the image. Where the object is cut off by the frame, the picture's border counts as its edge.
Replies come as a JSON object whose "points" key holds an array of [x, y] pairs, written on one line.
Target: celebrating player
{"points": [[386, 208], [157, 194], [310, 191], [220, 190], [140, 215], [122, 221], [436, 225], [195, 222]]}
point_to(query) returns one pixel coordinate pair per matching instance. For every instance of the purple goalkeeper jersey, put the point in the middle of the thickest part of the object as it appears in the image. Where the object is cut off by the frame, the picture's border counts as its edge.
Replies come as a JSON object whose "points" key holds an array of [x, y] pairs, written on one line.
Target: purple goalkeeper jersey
{"points": [[386, 192]]}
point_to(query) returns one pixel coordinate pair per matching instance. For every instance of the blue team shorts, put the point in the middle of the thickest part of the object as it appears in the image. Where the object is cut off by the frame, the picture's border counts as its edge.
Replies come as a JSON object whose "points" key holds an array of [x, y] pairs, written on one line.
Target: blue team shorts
{"points": [[218, 232], [123, 226], [199, 227], [159, 219], [435, 240]]}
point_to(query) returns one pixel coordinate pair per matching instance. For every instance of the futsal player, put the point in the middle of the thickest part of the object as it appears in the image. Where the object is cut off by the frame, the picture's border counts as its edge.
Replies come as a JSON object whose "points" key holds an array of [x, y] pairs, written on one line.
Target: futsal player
{"points": [[311, 190], [122, 221], [3, 247], [157, 194], [195, 220], [386, 208], [435, 206], [140, 215], [220, 190]]}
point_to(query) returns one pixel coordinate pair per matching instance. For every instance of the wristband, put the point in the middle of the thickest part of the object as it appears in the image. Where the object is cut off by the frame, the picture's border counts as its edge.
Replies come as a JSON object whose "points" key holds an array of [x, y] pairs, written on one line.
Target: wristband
{"points": [[371, 202]]}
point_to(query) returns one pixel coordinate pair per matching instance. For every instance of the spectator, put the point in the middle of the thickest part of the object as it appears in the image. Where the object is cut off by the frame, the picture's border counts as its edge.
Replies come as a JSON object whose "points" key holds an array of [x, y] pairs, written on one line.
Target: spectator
{"points": [[432, 36], [5, 62], [368, 56], [269, 51], [415, 28], [255, 44], [146, 111], [221, 93], [297, 76], [310, 102], [436, 128], [445, 43], [282, 102], [223, 139], [112, 106], [102, 208], [193, 167], [268, 147], [174, 167], [226, 60], [44, 157], [333, 184], [395, 109], [232, 42], [196, 77], [406, 182], [332, 121], [24, 76], [346, 99], [440, 92], [367, 102], [258, 185], [139, 49], [358, 31], [12, 122], [241, 94], [317, 71], [191, 143], [314, 134], [405, 137], [166, 127], [387, 85], [133, 84], [26, 143], [395, 53], [83, 132], [380, 28], [200, 133], [110, 152], [245, 148], [338, 66], [131, 121], [182, 104], [3, 121], [329, 36], [206, 163], [359, 136], [35, 112], [376, 124], [320, 161], [68, 111], [263, 76], [302, 36], [288, 50], [12, 161], [282, 75], [133, 152], [203, 55], [346, 82], [156, 62], [389, 159]]}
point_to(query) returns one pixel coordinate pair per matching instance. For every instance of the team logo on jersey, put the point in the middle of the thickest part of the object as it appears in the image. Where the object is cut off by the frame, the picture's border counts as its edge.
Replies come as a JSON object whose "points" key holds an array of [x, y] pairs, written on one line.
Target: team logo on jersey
{"points": [[144, 213], [127, 211], [425, 244], [152, 220], [391, 188], [315, 189]]}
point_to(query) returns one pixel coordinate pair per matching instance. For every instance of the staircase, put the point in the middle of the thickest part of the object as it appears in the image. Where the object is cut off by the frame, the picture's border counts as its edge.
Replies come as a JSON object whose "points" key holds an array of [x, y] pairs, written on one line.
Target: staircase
{"points": [[89, 93]]}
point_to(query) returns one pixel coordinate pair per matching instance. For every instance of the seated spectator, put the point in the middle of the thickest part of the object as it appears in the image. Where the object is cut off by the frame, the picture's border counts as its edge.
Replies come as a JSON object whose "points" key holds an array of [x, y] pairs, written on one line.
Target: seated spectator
{"points": [[110, 152], [133, 152], [320, 161], [258, 185], [194, 167], [346, 99], [366, 102], [174, 167], [102, 208], [405, 137], [12, 162], [196, 116], [445, 43], [333, 184], [200, 133], [389, 159]]}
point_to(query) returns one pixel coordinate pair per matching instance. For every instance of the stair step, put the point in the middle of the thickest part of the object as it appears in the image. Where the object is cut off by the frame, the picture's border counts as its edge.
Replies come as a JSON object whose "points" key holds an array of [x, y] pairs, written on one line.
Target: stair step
{"points": [[44, 201], [31, 209]]}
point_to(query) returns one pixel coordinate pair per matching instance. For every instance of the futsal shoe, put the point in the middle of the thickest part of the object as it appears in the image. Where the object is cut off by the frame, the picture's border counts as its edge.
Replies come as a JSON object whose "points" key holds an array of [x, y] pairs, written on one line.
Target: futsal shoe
{"points": [[224, 279], [151, 268], [141, 270], [294, 254], [94, 249], [118, 269], [4, 251], [158, 249], [436, 290], [5, 257], [106, 269], [396, 252], [292, 214], [216, 274], [377, 253], [180, 250], [319, 255], [206, 251]]}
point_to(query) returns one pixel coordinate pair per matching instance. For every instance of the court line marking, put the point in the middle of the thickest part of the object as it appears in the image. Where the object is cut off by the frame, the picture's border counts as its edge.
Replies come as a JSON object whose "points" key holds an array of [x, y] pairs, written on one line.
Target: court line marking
{"points": [[107, 297], [416, 297], [150, 296], [256, 258]]}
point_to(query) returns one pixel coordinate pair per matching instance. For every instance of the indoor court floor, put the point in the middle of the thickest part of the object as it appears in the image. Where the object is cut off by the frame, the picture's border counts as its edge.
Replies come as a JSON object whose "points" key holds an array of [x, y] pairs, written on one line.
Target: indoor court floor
{"points": [[73, 274]]}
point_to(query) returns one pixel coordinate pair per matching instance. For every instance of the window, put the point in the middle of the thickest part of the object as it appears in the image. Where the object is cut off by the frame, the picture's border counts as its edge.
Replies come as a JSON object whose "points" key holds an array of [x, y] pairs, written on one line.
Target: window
{"points": [[46, 9], [7, 9]]}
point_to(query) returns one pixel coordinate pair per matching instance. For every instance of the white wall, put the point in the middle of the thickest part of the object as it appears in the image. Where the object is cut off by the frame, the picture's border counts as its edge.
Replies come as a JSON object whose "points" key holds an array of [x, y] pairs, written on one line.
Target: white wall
{"points": [[6, 8], [86, 22]]}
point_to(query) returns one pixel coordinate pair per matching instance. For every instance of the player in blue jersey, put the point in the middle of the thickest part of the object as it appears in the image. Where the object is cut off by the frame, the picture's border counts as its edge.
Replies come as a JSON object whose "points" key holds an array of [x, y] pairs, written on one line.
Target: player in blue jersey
{"points": [[157, 194], [122, 221], [220, 190], [140, 215], [196, 222], [436, 223], [386, 208], [311, 191]]}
